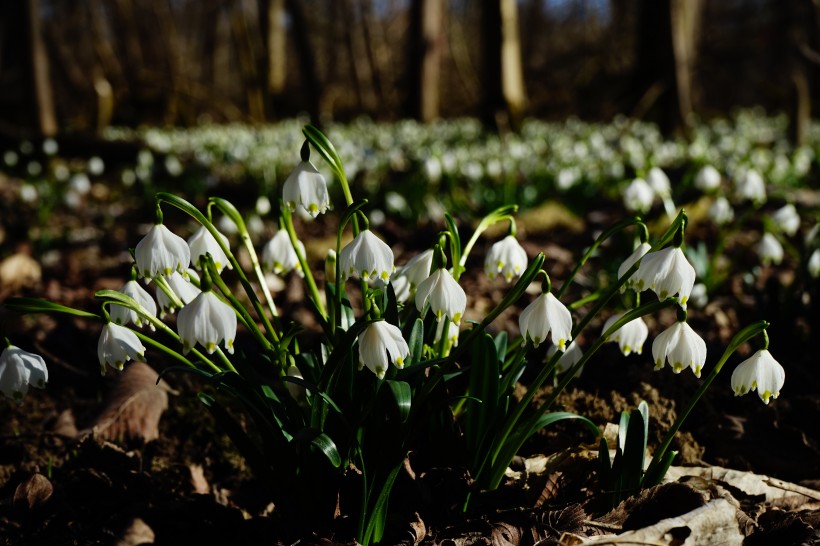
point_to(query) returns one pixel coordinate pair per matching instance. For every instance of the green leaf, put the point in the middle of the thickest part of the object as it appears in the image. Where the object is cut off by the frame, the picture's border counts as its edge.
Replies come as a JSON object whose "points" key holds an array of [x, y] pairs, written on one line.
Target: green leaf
{"points": [[325, 148], [402, 395], [416, 343], [484, 385], [655, 473], [556, 416], [377, 516], [320, 441], [39, 305], [635, 449]]}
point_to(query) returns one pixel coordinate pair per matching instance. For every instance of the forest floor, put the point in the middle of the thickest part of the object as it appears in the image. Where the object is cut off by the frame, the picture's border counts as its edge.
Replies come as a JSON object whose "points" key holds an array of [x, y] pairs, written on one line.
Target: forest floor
{"points": [[69, 474]]}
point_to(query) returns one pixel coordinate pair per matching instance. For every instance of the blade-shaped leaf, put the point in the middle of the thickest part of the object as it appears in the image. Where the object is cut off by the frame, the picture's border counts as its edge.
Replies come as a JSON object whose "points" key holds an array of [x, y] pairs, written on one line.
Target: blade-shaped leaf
{"points": [[402, 395]]}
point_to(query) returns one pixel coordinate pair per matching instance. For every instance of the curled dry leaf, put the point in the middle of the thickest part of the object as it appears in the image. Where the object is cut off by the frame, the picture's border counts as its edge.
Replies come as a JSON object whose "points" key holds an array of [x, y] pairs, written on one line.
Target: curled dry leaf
{"points": [[33, 493], [134, 407], [137, 533]]}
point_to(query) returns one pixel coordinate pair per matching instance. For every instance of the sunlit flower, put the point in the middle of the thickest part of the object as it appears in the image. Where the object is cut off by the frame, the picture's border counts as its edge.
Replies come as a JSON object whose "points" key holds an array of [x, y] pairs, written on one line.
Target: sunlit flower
{"points": [[630, 337], [279, 256], [207, 320], [721, 211], [666, 272], [760, 372], [707, 179], [161, 252], [681, 346], [453, 330], [182, 288], [568, 358], [306, 187], [367, 257], [379, 344], [787, 219], [770, 249], [444, 295], [636, 255], [411, 274], [117, 346], [750, 186], [123, 315], [658, 181], [814, 264], [638, 196], [18, 370], [544, 315], [507, 257], [699, 296], [202, 242]]}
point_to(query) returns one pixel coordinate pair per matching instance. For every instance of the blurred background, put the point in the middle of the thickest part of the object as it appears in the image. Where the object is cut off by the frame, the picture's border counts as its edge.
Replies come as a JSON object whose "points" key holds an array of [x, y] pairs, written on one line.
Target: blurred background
{"points": [[87, 64]]}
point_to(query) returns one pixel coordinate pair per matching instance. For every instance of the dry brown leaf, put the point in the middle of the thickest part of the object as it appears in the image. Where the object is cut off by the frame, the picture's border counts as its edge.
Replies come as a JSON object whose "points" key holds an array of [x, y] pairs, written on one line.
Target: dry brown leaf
{"points": [[134, 407], [198, 480], [65, 425], [19, 271], [137, 533], [33, 493], [506, 534]]}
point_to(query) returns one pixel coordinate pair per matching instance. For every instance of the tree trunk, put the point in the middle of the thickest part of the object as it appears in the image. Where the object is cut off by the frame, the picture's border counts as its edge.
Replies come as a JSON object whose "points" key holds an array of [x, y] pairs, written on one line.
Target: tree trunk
{"points": [[307, 60], [505, 99], [40, 79], [425, 41]]}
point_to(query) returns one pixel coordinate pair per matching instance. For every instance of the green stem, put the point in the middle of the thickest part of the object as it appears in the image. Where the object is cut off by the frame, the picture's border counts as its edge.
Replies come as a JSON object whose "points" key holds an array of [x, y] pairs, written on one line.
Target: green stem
{"points": [[739, 339], [238, 308]]}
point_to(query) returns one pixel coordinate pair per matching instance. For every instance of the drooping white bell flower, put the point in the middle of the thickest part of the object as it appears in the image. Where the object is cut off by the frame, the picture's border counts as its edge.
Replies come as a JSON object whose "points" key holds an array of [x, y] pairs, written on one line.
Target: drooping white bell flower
{"points": [[658, 181], [750, 186], [279, 256], [760, 372], [123, 315], [666, 272], [787, 219], [814, 264], [207, 320], [118, 345], [507, 257], [707, 179], [444, 295], [161, 252], [638, 196], [681, 346], [721, 211], [379, 344], [568, 358], [203, 242], [630, 337], [410, 275], [367, 257], [20, 369], [306, 187], [544, 315], [184, 289], [453, 330], [769, 249], [636, 255]]}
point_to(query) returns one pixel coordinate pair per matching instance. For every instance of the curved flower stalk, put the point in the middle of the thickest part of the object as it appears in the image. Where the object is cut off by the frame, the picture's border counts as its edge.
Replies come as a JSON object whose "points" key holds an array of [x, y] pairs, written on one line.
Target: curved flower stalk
{"points": [[760, 372], [161, 252], [379, 344], [118, 345], [506, 257], [20, 369], [681, 346]]}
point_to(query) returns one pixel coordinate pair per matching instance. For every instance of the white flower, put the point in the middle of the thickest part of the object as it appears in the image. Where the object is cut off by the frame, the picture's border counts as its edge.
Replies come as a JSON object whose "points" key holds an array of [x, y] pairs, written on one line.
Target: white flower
{"points": [[638, 196], [658, 181], [296, 390], [750, 186], [707, 179], [379, 344], [814, 264], [279, 256], [453, 331], [306, 187], [367, 257], [699, 296], [18, 370], [161, 252], [630, 337], [123, 315], [507, 257], [182, 288], [207, 320], [544, 315], [760, 372], [770, 249], [787, 219], [681, 346], [444, 294], [568, 358], [721, 211], [666, 272], [417, 268], [636, 255], [202, 242], [117, 346]]}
